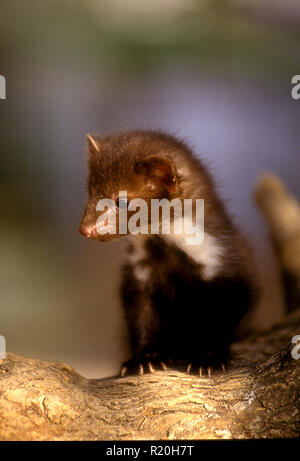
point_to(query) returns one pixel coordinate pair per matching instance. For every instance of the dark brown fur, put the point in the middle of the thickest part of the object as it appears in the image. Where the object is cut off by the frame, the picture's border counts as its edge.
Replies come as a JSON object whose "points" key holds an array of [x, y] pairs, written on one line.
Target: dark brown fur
{"points": [[176, 314]]}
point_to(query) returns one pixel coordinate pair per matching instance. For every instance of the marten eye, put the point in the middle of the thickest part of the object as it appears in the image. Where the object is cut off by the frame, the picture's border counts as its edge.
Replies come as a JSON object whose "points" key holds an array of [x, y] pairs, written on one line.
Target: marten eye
{"points": [[122, 202]]}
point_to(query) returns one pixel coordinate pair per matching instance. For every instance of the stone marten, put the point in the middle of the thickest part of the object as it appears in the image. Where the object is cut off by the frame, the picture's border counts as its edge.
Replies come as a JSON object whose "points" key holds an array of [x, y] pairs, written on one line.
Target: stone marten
{"points": [[183, 299]]}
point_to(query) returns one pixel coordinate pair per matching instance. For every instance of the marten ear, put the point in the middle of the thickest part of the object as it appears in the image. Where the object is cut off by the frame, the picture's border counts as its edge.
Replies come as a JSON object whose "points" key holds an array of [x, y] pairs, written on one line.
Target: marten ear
{"points": [[157, 167], [93, 145]]}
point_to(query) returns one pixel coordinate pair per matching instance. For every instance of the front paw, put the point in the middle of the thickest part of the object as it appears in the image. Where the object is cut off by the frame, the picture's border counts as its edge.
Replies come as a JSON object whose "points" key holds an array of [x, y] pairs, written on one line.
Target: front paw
{"points": [[141, 364], [206, 363]]}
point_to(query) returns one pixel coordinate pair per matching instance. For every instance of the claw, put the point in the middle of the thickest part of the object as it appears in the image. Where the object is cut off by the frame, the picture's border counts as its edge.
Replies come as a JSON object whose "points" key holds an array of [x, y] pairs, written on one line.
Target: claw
{"points": [[223, 367], [151, 368], [163, 365], [123, 371], [188, 369], [209, 371], [141, 369]]}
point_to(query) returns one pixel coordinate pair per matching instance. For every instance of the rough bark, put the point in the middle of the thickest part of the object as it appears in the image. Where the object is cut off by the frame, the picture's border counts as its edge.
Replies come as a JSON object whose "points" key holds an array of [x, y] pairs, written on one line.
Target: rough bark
{"points": [[257, 397]]}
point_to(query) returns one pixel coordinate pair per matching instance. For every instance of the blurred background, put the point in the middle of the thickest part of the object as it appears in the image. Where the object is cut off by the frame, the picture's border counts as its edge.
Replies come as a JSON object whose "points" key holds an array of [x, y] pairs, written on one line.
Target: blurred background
{"points": [[218, 74]]}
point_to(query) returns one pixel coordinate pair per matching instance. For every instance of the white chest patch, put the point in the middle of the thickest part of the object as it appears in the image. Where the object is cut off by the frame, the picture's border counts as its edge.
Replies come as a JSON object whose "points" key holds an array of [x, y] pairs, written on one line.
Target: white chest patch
{"points": [[209, 253], [142, 273], [137, 255], [136, 258]]}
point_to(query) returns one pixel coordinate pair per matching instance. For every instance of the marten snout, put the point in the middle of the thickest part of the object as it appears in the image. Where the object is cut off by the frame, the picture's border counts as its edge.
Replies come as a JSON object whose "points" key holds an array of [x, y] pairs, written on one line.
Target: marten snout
{"points": [[88, 231]]}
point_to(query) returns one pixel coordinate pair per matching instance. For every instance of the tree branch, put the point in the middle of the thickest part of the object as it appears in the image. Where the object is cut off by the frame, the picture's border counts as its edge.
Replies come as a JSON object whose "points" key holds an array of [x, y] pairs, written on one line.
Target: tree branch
{"points": [[257, 397]]}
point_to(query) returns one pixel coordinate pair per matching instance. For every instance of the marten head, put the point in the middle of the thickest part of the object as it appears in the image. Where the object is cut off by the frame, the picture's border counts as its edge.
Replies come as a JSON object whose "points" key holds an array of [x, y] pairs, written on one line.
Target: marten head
{"points": [[138, 163], [132, 166]]}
